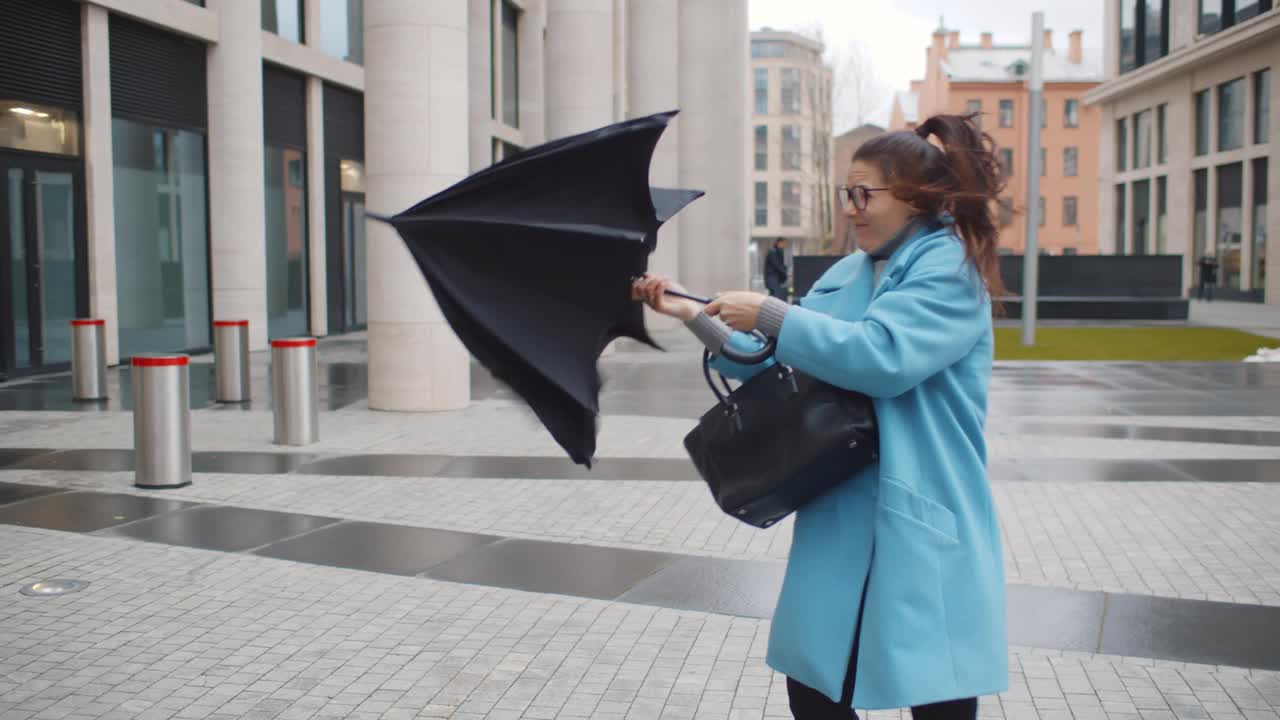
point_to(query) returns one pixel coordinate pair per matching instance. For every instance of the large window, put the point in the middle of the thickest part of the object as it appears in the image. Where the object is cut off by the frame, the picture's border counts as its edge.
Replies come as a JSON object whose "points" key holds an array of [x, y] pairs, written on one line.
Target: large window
{"points": [[1122, 145], [1120, 219], [1230, 226], [1142, 140], [1162, 215], [1161, 141], [791, 204], [761, 80], [791, 91], [1070, 162], [1200, 220], [1070, 211], [762, 204], [286, 212], [762, 147], [342, 29], [508, 47], [162, 240], [1071, 113], [1202, 122], [284, 18], [1006, 113], [791, 147], [1218, 15], [1262, 106], [1231, 114], [1144, 32], [1258, 261], [1006, 161], [974, 108], [1141, 216]]}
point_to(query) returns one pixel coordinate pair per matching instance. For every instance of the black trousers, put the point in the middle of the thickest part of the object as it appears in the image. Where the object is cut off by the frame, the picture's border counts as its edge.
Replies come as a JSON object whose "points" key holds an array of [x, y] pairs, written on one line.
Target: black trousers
{"points": [[809, 704]]}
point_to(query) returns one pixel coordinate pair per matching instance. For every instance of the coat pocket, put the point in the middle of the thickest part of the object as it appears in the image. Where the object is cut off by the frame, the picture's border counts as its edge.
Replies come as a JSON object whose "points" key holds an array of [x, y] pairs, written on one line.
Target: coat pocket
{"points": [[899, 499]]}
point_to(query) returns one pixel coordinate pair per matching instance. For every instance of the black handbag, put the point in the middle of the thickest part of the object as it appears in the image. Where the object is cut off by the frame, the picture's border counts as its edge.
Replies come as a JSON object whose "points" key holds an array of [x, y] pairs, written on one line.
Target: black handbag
{"points": [[779, 440]]}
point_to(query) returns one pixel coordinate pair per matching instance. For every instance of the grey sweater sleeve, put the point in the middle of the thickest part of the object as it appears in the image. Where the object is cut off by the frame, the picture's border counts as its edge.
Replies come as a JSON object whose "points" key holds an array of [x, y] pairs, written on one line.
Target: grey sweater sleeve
{"points": [[711, 331], [772, 312]]}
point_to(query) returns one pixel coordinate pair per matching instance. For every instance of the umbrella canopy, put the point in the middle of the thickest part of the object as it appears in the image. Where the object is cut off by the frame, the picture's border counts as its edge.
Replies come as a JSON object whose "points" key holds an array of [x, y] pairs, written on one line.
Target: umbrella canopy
{"points": [[531, 261]]}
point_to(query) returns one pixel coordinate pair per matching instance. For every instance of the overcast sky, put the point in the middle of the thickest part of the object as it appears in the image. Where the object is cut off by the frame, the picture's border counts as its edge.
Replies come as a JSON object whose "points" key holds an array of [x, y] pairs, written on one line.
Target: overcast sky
{"points": [[896, 32]]}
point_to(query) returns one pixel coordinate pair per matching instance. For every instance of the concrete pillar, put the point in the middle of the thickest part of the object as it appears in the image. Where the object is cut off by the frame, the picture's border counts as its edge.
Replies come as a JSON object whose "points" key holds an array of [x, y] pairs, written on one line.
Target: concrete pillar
{"points": [[533, 80], [237, 218], [416, 113], [317, 247], [99, 166], [714, 143], [579, 59], [1271, 293], [482, 86], [653, 85]]}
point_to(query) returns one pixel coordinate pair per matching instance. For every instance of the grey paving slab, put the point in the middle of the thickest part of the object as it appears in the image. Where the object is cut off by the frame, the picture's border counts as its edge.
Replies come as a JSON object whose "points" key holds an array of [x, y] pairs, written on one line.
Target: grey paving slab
{"points": [[86, 512], [221, 528], [99, 460], [1147, 432], [1054, 617], [17, 492], [561, 468], [1230, 470], [561, 568], [377, 547], [386, 464], [1193, 631], [744, 588], [13, 456], [1075, 470], [249, 463]]}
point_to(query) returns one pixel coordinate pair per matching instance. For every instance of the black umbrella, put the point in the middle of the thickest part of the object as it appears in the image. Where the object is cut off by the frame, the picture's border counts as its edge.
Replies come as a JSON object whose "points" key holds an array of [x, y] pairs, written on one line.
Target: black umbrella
{"points": [[532, 260]]}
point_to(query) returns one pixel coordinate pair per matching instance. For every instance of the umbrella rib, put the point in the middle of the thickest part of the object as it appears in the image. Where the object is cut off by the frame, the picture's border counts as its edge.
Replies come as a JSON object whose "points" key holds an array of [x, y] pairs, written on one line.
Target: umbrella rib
{"points": [[574, 228]]}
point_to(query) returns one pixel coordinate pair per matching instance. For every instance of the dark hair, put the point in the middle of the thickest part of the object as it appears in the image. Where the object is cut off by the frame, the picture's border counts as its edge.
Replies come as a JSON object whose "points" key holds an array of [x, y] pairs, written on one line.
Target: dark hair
{"points": [[962, 179]]}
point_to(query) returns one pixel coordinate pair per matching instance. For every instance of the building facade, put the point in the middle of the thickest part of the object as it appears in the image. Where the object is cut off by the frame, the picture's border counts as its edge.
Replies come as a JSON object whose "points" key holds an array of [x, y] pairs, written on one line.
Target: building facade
{"points": [[994, 81], [1190, 123], [791, 145], [170, 163]]}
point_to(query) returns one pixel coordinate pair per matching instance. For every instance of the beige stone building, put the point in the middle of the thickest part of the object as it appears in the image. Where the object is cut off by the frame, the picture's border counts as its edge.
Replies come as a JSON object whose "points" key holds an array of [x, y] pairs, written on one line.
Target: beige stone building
{"points": [[205, 160], [791, 145], [1191, 137], [993, 79]]}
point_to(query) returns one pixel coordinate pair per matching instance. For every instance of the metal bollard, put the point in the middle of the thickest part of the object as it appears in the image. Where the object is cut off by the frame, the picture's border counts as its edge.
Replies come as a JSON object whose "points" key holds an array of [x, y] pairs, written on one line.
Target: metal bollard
{"points": [[231, 360], [88, 359], [161, 421], [295, 398]]}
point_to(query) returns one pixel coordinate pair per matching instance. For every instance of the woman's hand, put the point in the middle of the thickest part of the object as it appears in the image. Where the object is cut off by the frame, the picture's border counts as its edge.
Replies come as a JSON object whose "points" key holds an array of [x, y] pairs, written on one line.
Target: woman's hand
{"points": [[651, 289], [740, 310]]}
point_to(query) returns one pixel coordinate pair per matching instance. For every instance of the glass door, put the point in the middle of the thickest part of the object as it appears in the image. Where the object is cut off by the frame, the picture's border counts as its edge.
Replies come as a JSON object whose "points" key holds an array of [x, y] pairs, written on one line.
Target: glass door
{"points": [[355, 312], [41, 236]]}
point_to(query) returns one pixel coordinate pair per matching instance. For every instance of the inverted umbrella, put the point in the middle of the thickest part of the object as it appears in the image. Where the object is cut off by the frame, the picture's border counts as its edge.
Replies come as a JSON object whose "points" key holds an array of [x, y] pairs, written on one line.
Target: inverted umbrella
{"points": [[531, 262]]}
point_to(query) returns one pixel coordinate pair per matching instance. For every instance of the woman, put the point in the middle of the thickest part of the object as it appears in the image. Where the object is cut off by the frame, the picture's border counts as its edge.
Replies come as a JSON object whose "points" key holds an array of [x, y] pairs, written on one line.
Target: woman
{"points": [[894, 590]]}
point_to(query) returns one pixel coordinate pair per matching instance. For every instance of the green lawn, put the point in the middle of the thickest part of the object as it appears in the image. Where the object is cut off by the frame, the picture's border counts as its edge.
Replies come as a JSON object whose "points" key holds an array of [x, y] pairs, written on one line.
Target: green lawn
{"points": [[1142, 344]]}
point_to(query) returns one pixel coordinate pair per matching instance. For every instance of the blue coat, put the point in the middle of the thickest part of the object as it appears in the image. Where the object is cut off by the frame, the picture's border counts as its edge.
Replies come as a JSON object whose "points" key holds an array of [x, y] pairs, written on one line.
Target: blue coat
{"points": [[919, 529]]}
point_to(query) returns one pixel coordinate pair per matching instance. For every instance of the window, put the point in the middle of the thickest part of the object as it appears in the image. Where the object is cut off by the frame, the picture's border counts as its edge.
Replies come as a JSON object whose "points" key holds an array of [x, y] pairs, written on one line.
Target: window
{"points": [[761, 79], [768, 48], [286, 214], [1200, 222], [1162, 214], [1262, 106], [1044, 162], [162, 238], [1069, 210], [791, 91], [762, 147], [762, 204], [1040, 214], [1070, 162], [1120, 221], [1141, 216], [1218, 15], [1006, 161], [1231, 115], [1161, 147], [1006, 113], [1202, 122], [1144, 32], [1122, 145], [1142, 140], [1071, 113], [791, 147], [342, 29], [510, 50], [284, 18], [1006, 212], [974, 108], [1258, 260], [1230, 226], [1044, 112], [791, 204]]}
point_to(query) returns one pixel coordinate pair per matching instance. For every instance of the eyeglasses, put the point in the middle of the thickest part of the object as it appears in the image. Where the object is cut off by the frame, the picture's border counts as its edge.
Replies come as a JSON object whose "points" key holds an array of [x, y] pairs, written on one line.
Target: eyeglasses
{"points": [[856, 196]]}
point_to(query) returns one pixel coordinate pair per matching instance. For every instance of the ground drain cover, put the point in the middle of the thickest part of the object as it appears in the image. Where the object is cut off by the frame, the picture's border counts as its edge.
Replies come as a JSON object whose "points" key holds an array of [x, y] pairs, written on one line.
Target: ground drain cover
{"points": [[56, 586]]}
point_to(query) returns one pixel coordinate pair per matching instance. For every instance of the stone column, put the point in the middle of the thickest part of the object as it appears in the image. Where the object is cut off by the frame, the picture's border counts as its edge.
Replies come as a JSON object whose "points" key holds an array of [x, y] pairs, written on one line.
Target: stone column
{"points": [[98, 163], [416, 125], [533, 80], [579, 52], [653, 85], [237, 186], [317, 247], [714, 143]]}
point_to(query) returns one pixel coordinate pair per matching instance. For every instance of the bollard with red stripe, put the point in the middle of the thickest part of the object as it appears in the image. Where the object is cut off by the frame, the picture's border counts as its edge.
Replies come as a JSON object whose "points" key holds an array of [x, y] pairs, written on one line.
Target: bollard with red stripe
{"points": [[161, 421], [295, 396]]}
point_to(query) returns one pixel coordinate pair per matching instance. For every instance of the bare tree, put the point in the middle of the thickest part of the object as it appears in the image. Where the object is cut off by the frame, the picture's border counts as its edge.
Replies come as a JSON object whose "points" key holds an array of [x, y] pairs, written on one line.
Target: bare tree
{"points": [[858, 93]]}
